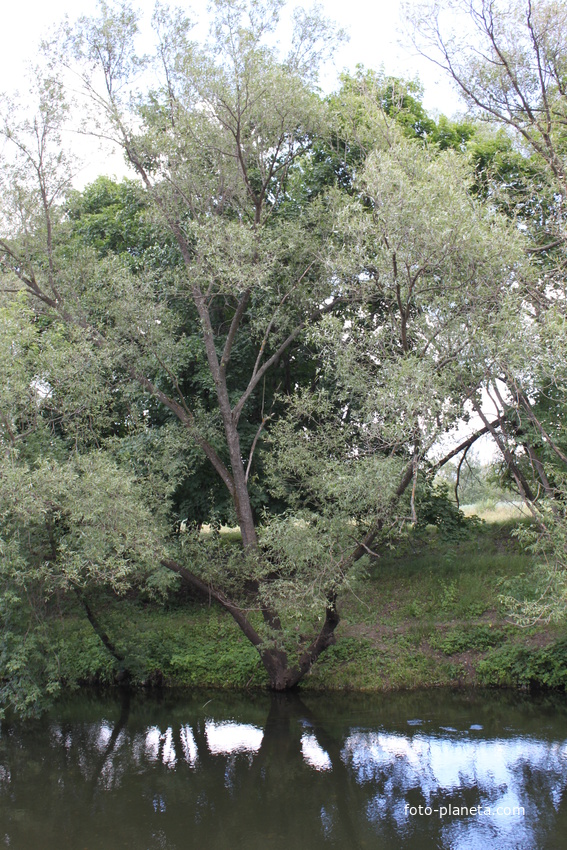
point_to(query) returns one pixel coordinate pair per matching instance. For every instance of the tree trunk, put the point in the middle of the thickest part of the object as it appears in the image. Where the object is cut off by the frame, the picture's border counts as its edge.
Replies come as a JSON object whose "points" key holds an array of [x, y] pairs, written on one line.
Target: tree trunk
{"points": [[284, 677], [123, 673], [281, 674], [241, 496]]}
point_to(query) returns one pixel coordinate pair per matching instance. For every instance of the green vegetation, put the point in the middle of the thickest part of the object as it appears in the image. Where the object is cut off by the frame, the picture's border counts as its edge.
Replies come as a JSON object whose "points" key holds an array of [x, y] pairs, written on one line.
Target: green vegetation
{"points": [[271, 325], [192, 646], [424, 615], [428, 613]]}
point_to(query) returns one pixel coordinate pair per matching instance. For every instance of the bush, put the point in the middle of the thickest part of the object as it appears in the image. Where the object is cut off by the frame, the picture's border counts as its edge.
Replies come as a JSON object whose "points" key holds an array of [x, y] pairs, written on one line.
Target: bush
{"points": [[434, 507], [479, 638], [516, 665]]}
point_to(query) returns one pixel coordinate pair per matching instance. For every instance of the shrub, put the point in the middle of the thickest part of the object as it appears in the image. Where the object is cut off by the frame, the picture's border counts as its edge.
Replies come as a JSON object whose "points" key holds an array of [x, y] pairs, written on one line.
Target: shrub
{"points": [[516, 665], [479, 638]]}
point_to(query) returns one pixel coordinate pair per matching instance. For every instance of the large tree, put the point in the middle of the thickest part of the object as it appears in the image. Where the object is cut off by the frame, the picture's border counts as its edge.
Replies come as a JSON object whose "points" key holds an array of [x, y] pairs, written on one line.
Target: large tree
{"points": [[386, 276]]}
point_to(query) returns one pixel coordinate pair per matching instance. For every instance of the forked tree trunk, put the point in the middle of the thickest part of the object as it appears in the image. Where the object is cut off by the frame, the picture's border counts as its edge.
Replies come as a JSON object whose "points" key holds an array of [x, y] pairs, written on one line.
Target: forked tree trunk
{"points": [[282, 674]]}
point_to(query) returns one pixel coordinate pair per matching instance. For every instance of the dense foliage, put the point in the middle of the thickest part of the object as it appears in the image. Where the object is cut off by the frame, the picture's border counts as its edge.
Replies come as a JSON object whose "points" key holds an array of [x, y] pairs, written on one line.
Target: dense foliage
{"points": [[270, 325]]}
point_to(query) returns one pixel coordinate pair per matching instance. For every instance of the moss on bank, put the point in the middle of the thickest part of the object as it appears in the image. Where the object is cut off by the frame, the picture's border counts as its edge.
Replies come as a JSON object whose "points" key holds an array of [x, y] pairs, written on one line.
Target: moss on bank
{"points": [[425, 615]]}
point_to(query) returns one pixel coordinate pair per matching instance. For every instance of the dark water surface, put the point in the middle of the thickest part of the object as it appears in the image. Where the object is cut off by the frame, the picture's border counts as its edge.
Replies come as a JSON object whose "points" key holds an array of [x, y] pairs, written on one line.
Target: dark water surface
{"points": [[215, 771]]}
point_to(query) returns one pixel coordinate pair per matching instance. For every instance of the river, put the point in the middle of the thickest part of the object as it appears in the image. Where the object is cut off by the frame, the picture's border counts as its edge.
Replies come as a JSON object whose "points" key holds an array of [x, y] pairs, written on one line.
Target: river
{"points": [[215, 770]]}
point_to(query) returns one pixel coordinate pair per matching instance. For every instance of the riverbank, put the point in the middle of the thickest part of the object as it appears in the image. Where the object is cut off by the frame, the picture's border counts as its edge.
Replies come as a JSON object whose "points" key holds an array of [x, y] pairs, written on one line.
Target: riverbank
{"points": [[427, 614], [430, 615]]}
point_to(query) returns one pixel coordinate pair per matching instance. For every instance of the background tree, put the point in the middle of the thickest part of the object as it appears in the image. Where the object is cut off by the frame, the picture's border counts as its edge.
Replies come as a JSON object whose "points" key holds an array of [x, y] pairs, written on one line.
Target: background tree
{"points": [[512, 74]]}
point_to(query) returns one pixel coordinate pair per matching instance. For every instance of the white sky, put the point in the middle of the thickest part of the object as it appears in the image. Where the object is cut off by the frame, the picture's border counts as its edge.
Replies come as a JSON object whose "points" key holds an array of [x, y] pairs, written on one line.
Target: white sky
{"points": [[373, 30], [374, 41]]}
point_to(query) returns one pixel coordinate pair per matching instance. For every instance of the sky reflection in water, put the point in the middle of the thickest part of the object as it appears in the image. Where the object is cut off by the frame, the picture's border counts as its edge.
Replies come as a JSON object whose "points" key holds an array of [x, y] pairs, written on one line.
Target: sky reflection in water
{"points": [[313, 773]]}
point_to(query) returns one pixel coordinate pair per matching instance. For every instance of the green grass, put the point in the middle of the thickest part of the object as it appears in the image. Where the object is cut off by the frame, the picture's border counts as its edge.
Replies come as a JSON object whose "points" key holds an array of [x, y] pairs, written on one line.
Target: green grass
{"points": [[427, 613], [194, 645], [497, 512]]}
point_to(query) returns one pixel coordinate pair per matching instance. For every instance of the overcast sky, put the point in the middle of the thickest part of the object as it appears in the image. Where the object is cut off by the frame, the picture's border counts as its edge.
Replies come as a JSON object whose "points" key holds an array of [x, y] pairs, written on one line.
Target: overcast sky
{"points": [[374, 41], [373, 30]]}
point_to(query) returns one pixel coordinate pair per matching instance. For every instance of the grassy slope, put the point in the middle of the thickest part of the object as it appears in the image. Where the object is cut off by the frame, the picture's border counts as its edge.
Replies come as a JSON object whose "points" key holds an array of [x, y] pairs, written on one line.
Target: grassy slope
{"points": [[427, 614]]}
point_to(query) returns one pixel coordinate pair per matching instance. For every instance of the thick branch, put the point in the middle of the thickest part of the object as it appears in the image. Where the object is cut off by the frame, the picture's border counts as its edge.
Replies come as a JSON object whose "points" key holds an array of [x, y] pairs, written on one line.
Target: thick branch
{"points": [[363, 547], [324, 639], [555, 244], [210, 592], [186, 418], [466, 444], [105, 640]]}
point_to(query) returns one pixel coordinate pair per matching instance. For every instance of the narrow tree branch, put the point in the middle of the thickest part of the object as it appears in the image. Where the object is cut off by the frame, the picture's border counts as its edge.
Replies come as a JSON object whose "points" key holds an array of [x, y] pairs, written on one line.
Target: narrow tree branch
{"points": [[458, 477], [186, 418], [272, 320], [414, 486], [210, 592], [362, 548], [236, 319], [522, 484], [523, 400], [254, 444], [314, 317], [8, 428]]}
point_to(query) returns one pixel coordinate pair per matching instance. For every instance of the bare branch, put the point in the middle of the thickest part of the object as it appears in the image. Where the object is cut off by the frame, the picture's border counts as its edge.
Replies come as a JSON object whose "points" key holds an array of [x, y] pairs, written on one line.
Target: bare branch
{"points": [[254, 444], [466, 444]]}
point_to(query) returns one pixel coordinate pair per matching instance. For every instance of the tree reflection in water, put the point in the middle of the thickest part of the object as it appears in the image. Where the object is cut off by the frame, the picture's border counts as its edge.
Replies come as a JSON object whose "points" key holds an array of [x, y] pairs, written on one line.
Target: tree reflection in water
{"points": [[218, 772]]}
